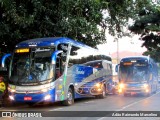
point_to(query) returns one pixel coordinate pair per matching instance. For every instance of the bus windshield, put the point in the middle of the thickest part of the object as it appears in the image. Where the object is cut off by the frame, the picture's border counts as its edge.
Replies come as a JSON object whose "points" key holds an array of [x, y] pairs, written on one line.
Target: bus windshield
{"points": [[133, 72], [31, 66]]}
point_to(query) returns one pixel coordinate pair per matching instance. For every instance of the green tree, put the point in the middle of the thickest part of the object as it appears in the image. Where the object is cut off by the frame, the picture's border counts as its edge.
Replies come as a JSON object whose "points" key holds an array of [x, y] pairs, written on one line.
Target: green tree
{"points": [[148, 25], [83, 20]]}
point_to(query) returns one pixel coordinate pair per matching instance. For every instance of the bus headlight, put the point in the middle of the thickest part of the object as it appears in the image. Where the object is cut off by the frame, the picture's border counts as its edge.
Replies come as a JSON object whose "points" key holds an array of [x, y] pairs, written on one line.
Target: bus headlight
{"points": [[11, 97], [120, 90], [147, 90], [121, 86], [44, 90], [145, 86], [47, 97], [11, 90], [98, 85]]}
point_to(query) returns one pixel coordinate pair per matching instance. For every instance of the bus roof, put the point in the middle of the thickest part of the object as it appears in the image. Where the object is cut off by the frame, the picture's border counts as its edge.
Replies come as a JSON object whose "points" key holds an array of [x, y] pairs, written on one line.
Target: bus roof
{"points": [[52, 41], [135, 57], [49, 41]]}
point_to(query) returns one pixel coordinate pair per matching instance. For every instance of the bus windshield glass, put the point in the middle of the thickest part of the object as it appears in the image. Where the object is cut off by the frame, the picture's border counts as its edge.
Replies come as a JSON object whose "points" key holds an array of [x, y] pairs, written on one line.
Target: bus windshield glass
{"points": [[31, 66], [133, 71]]}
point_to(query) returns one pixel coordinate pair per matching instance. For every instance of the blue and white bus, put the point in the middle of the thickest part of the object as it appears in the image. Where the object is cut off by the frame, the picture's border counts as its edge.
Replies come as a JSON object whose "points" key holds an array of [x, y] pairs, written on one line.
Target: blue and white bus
{"points": [[56, 69], [137, 75]]}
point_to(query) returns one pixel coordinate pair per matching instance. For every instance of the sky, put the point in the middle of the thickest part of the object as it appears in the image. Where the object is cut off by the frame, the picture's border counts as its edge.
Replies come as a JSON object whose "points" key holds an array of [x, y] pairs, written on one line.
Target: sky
{"points": [[125, 44]]}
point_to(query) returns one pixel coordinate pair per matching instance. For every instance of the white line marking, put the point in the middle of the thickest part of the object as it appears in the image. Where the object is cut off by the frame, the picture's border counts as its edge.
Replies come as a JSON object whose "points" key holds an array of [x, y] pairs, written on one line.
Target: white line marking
{"points": [[56, 109], [130, 105], [89, 102], [136, 102]]}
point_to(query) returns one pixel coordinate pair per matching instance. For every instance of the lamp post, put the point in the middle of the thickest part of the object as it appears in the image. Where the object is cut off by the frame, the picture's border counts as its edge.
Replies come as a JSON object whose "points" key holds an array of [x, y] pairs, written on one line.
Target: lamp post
{"points": [[117, 51], [116, 40]]}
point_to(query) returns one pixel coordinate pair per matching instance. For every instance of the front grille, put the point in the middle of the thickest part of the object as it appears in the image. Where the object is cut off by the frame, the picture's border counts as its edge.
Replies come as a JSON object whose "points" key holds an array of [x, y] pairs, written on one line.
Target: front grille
{"points": [[29, 91], [133, 90]]}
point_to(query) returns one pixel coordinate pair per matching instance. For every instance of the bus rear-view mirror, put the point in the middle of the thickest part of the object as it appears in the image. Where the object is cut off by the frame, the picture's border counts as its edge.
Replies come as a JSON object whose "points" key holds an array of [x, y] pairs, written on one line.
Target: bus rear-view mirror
{"points": [[150, 66], [116, 68]]}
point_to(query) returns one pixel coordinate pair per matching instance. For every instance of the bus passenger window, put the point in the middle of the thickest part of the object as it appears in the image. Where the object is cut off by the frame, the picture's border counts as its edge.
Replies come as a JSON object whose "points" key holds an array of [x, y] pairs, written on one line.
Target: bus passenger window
{"points": [[98, 65]]}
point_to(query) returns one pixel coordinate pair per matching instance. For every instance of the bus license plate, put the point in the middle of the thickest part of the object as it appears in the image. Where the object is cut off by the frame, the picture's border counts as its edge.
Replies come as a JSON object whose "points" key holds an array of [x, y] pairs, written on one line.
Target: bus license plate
{"points": [[27, 98], [133, 93]]}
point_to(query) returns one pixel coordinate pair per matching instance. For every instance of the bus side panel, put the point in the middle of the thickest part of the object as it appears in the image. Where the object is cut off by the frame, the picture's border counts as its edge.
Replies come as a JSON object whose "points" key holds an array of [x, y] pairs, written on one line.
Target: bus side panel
{"points": [[75, 76], [81, 75], [87, 81], [62, 84]]}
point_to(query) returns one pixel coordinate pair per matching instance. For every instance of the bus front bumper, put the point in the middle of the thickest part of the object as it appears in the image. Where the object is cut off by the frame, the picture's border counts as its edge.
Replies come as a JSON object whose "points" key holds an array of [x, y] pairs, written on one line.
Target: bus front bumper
{"points": [[33, 97], [134, 91]]}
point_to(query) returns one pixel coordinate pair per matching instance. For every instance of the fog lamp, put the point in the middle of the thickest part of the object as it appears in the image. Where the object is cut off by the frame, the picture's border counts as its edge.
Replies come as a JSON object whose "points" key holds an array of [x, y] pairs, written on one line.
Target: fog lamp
{"points": [[145, 85], [44, 90], [11, 97], [98, 85], [120, 90], [47, 97], [121, 86]]}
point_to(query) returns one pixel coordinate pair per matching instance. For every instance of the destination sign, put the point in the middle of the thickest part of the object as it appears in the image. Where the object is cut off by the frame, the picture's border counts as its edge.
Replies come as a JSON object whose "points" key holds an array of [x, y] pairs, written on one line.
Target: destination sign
{"points": [[22, 50], [127, 63]]}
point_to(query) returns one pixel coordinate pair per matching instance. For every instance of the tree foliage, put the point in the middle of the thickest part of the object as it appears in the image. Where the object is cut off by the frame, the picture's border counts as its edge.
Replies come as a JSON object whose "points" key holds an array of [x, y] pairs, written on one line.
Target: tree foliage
{"points": [[148, 25], [82, 20]]}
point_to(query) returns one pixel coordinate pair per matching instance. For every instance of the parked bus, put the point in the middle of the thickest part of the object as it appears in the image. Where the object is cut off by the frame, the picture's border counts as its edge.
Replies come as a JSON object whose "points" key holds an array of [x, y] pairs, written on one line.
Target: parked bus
{"points": [[56, 69], [137, 75]]}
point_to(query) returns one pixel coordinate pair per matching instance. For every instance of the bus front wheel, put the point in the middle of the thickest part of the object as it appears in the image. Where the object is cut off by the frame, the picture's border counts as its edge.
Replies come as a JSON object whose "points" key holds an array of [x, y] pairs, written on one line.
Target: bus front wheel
{"points": [[70, 98], [125, 94], [103, 94]]}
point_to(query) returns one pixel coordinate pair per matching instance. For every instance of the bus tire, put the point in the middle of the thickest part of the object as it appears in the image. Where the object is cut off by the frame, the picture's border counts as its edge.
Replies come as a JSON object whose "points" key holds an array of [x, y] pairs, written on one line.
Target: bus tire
{"points": [[70, 98], [103, 95], [155, 90], [114, 91], [148, 94], [125, 94]]}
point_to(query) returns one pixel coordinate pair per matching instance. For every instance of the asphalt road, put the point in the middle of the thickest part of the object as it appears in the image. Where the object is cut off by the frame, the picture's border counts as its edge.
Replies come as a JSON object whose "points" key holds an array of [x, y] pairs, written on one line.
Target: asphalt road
{"points": [[98, 109]]}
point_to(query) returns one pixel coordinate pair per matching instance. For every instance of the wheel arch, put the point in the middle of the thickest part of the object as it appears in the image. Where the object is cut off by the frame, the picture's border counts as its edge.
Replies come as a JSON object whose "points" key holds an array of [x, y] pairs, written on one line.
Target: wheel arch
{"points": [[72, 87]]}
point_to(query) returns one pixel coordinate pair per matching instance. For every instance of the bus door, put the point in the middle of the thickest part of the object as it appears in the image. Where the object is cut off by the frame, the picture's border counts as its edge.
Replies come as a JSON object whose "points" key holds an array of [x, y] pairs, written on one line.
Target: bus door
{"points": [[60, 64], [56, 62]]}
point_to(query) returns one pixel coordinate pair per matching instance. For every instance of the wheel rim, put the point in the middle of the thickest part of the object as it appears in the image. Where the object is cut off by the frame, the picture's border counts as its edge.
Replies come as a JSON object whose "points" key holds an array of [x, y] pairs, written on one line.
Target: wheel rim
{"points": [[103, 92], [70, 97]]}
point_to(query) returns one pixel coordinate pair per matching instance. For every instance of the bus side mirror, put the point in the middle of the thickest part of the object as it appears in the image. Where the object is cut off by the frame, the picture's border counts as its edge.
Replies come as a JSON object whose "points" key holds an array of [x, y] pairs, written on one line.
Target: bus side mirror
{"points": [[54, 56], [150, 66], [3, 61], [117, 67]]}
